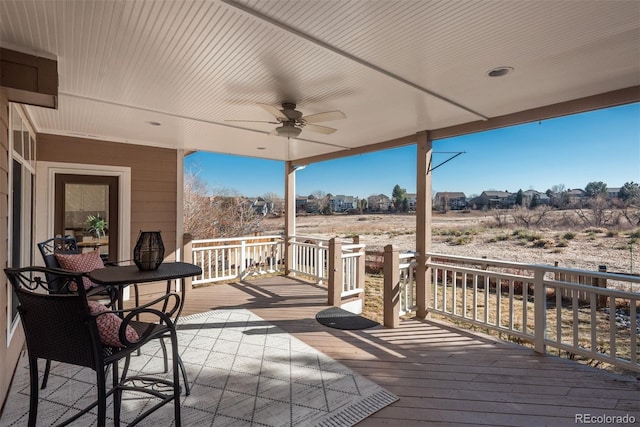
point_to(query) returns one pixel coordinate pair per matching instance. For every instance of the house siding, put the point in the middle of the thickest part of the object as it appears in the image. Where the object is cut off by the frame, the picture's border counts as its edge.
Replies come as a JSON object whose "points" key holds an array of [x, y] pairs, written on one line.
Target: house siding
{"points": [[8, 354], [154, 191]]}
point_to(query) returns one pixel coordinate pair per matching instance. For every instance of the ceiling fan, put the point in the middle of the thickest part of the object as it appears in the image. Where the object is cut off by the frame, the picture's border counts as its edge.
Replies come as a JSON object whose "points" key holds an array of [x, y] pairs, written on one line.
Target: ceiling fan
{"points": [[292, 121]]}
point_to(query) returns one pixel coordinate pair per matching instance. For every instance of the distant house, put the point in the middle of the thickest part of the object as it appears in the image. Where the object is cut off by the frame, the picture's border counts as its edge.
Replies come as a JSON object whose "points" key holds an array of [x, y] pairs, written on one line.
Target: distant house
{"points": [[495, 199], [454, 200], [412, 201], [378, 203], [529, 195], [301, 204], [576, 196], [342, 203], [613, 193], [262, 206]]}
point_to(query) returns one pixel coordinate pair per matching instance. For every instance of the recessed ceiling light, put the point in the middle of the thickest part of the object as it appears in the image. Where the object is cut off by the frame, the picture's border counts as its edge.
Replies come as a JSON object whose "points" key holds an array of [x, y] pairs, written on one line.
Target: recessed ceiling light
{"points": [[152, 123], [262, 148], [500, 71]]}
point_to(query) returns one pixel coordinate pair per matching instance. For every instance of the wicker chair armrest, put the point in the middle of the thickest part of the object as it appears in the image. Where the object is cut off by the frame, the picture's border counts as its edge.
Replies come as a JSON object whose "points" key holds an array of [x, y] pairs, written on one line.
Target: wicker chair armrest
{"points": [[164, 316], [168, 308]]}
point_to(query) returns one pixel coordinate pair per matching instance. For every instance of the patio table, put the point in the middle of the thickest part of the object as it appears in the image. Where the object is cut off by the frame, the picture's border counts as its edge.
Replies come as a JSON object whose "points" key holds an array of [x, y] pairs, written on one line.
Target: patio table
{"points": [[120, 276]]}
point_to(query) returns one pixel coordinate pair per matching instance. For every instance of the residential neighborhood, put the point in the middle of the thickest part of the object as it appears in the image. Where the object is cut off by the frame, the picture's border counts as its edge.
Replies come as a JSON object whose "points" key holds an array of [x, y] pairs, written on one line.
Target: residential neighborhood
{"points": [[443, 201]]}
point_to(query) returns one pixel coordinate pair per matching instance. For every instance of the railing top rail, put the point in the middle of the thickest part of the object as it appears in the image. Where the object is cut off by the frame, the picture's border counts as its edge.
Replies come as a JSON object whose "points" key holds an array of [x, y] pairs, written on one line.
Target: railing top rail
{"points": [[610, 292], [353, 246], [483, 261], [482, 272], [231, 239], [300, 237], [408, 255], [324, 240], [604, 275]]}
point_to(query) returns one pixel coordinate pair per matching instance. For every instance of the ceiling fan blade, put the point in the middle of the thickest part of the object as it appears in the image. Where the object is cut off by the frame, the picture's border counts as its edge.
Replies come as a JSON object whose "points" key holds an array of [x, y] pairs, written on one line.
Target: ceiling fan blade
{"points": [[320, 129], [253, 121], [325, 117], [274, 111]]}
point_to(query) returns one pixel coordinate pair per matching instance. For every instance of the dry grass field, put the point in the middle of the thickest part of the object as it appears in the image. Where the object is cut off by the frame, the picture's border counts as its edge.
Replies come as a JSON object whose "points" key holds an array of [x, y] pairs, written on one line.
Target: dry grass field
{"points": [[476, 234]]}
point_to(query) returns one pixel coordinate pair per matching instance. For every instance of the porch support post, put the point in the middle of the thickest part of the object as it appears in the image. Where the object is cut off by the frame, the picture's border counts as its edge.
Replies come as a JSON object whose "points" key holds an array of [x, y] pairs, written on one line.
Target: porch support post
{"points": [[335, 273], [289, 215], [391, 294], [540, 310], [423, 220]]}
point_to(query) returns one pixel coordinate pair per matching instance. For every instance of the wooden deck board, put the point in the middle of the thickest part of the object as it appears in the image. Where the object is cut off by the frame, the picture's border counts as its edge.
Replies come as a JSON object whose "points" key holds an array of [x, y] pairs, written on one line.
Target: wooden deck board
{"points": [[443, 375]]}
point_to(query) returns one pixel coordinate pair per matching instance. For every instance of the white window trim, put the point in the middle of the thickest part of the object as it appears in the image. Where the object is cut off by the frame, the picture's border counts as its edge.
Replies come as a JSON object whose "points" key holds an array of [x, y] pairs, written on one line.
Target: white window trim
{"points": [[13, 323]]}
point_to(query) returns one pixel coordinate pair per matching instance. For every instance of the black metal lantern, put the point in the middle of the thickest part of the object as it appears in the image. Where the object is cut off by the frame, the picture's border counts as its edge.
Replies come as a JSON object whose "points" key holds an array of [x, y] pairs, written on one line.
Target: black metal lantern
{"points": [[149, 251]]}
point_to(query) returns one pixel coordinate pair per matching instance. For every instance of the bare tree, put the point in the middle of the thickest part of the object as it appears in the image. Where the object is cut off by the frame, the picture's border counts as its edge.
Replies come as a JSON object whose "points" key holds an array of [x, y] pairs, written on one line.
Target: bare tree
{"points": [[197, 207], [501, 217], [599, 213], [223, 214], [530, 218]]}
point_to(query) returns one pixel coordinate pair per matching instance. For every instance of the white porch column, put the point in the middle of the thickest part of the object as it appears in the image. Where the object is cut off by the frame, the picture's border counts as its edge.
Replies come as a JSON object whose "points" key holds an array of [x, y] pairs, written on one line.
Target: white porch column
{"points": [[289, 214], [423, 220]]}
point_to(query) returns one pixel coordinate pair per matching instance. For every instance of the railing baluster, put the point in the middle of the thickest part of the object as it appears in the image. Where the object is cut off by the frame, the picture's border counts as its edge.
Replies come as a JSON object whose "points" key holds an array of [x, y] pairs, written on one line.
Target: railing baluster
{"points": [[558, 316], [612, 327], [575, 306], [594, 321], [475, 296]]}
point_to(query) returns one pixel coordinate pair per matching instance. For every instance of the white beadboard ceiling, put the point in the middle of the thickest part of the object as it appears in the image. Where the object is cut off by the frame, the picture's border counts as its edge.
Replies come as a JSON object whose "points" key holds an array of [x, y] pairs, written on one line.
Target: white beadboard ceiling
{"points": [[393, 67]]}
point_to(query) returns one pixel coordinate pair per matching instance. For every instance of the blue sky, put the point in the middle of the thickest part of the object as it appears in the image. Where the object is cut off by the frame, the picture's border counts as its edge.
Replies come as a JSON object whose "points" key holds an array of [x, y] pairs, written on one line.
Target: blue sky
{"points": [[573, 151]]}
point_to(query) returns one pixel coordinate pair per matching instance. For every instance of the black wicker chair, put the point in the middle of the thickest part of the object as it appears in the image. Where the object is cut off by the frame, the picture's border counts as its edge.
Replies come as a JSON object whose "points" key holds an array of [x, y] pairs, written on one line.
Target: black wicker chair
{"points": [[68, 245], [59, 326]]}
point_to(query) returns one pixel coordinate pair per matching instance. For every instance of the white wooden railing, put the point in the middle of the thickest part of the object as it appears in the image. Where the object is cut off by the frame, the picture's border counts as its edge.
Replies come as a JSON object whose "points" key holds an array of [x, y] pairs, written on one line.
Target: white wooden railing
{"points": [[407, 283], [352, 267], [233, 258], [591, 314], [310, 257]]}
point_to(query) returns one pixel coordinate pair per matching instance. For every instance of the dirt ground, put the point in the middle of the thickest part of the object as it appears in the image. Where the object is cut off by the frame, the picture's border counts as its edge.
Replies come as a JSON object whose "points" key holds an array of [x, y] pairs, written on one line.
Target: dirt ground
{"points": [[476, 234]]}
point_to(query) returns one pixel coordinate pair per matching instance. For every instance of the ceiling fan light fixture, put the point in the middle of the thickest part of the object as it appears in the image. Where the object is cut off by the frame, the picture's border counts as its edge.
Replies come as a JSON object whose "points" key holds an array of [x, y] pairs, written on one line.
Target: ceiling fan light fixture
{"points": [[288, 131]]}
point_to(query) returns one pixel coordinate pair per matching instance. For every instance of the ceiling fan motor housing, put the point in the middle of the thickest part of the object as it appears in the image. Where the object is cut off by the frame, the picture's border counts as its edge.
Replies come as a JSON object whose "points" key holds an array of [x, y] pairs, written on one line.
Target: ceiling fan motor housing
{"points": [[289, 110]]}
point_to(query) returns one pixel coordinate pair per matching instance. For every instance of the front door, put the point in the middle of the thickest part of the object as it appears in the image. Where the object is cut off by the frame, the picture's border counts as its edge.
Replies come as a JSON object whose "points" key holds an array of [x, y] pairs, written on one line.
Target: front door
{"points": [[86, 207]]}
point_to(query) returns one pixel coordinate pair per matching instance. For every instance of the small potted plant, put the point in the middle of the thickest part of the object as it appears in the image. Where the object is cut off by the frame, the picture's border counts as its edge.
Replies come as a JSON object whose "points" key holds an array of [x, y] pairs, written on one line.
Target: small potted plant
{"points": [[98, 225]]}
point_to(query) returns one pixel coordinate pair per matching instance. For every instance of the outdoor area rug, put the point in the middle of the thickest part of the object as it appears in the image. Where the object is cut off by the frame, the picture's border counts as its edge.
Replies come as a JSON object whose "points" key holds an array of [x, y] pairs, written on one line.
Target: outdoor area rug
{"points": [[338, 318], [243, 371]]}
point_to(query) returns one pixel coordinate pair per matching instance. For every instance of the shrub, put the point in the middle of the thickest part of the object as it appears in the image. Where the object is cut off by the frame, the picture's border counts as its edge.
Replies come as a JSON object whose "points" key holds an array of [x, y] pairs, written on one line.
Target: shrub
{"points": [[569, 235], [595, 230], [461, 240], [542, 243], [562, 243], [501, 238], [527, 235], [612, 233], [635, 234]]}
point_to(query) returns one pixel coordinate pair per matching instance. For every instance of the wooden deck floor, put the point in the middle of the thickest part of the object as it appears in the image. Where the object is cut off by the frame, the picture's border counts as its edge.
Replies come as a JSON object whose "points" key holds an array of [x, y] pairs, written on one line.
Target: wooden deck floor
{"points": [[443, 375]]}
